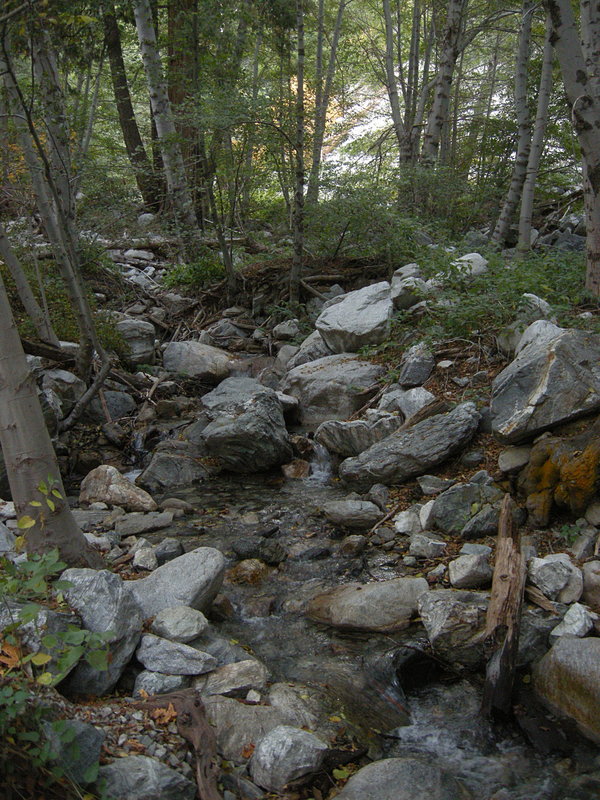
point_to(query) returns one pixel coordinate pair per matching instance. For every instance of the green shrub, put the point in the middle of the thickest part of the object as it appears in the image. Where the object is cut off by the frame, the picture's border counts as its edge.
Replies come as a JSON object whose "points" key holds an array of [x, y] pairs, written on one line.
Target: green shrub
{"points": [[206, 269]]}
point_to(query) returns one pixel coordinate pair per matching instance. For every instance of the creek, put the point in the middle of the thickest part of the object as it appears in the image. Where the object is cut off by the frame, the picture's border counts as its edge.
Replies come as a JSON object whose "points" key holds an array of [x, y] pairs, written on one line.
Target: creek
{"points": [[376, 683]]}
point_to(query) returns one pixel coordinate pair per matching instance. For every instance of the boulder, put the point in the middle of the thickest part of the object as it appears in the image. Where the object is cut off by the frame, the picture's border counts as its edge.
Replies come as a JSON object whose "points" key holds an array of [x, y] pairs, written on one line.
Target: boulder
{"points": [[351, 438], [174, 658], [403, 779], [104, 603], [158, 683], [173, 464], [139, 336], [384, 606], [556, 577], [468, 504], [547, 384], [407, 292], [65, 385], [567, 679], [470, 571], [77, 761], [7, 540], [105, 484], [359, 319], [234, 679], [424, 545], [179, 623], [247, 432], [411, 452], [238, 726], [471, 264], [190, 580], [198, 360], [356, 515], [312, 348], [333, 387], [285, 756], [405, 401], [416, 366], [591, 584], [454, 621], [136, 523], [144, 778], [576, 622], [118, 405]]}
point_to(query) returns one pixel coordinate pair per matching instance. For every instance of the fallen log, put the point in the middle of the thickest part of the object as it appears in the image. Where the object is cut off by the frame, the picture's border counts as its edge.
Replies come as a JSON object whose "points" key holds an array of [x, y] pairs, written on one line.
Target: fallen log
{"points": [[503, 619], [188, 710]]}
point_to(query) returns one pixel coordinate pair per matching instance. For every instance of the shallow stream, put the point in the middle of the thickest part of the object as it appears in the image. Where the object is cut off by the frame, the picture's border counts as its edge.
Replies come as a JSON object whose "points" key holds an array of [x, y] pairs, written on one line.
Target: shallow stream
{"points": [[359, 674]]}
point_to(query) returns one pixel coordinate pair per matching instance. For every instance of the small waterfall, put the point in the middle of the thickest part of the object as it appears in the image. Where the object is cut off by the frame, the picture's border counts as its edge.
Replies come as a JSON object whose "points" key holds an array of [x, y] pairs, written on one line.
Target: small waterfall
{"points": [[320, 465]]}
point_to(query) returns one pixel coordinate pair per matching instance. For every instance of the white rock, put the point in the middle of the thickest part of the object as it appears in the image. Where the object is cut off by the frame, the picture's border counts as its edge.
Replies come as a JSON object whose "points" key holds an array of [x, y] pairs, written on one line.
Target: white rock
{"points": [[179, 623], [286, 755], [106, 484], [577, 622], [408, 522], [472, 264], [470, 572], [360, 318]]}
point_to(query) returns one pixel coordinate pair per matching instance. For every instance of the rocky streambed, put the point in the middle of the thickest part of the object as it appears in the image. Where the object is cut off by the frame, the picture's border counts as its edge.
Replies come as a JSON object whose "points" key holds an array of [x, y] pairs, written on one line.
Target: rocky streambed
{"points": [[310, 547]]}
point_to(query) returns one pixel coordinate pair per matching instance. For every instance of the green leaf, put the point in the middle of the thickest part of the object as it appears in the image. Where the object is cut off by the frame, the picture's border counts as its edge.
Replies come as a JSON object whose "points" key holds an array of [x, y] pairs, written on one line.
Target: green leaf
{"points": [[90, 775], [39, 659], [42, 487], [25, 523], [341, 774], [50, 504], [35, 503], [45, 679], [29, 736], [56, 493], [98, 659]]}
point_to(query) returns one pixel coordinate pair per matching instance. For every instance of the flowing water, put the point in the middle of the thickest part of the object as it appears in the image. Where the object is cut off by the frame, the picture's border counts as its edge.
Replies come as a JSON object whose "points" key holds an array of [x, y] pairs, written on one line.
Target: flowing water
{"points": [[358, 674]]}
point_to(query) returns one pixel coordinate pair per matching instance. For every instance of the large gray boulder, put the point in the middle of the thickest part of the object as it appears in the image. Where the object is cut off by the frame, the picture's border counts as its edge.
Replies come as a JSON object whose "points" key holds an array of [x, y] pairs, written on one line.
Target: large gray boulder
{"points": [[198, 360], [105, 603], [548, 383], [286, 755], [384, 606], [333, 387], [403, 779], [312, 347], [139, 336], [470, 507], [567, 679], [411, 452], [356, 515], [173, 658], [66, 386], [144, 778], [351, 438], [190, 580], [174, 463], [360, 318], [454, 621], [248, 432]]}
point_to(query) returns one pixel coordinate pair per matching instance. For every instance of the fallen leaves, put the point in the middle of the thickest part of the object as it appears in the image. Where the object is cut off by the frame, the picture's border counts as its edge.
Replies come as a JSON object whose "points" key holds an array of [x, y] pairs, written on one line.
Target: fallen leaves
{"points": [[164, 716]]}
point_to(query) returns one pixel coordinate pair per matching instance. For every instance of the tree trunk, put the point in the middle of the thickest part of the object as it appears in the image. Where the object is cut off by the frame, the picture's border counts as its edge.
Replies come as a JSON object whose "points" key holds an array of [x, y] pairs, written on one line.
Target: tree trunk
{"points": [[174, 167], [578, 58], [321, 106], [537, 142], [451, 47], [41, 323], [298, 221], [511, 201], [503, 619], [390, 78], [29, 457], [147, 183]]}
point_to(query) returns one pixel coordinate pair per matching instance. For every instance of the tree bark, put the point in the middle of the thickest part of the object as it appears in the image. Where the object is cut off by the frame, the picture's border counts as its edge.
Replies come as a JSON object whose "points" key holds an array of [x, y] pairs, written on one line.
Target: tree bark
{"points": [[578, 58], [451, 47], [29, 456], [511, 201], [323, 94], [537, 142], [41, 323], [504, 615], [147, 183], [298, 221], [174, 166]]}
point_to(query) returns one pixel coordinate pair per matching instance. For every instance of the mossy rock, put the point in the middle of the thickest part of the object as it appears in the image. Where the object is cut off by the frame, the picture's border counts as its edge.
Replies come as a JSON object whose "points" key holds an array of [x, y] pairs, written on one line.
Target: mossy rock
{"points": [[562, 471]]}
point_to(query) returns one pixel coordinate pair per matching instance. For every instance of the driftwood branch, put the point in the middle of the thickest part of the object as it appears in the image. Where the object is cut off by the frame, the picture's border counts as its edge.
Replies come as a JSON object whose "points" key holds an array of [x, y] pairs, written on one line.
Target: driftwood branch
{"points": [[195, 728], [504, 615]]}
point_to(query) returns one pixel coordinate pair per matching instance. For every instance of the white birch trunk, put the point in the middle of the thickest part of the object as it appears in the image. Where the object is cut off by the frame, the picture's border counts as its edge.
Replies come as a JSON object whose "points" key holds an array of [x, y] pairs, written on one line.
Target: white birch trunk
{"points": [[537, 142], [513, 195], [579, 65], [451, 47], [174, 166], [29, 456]]}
